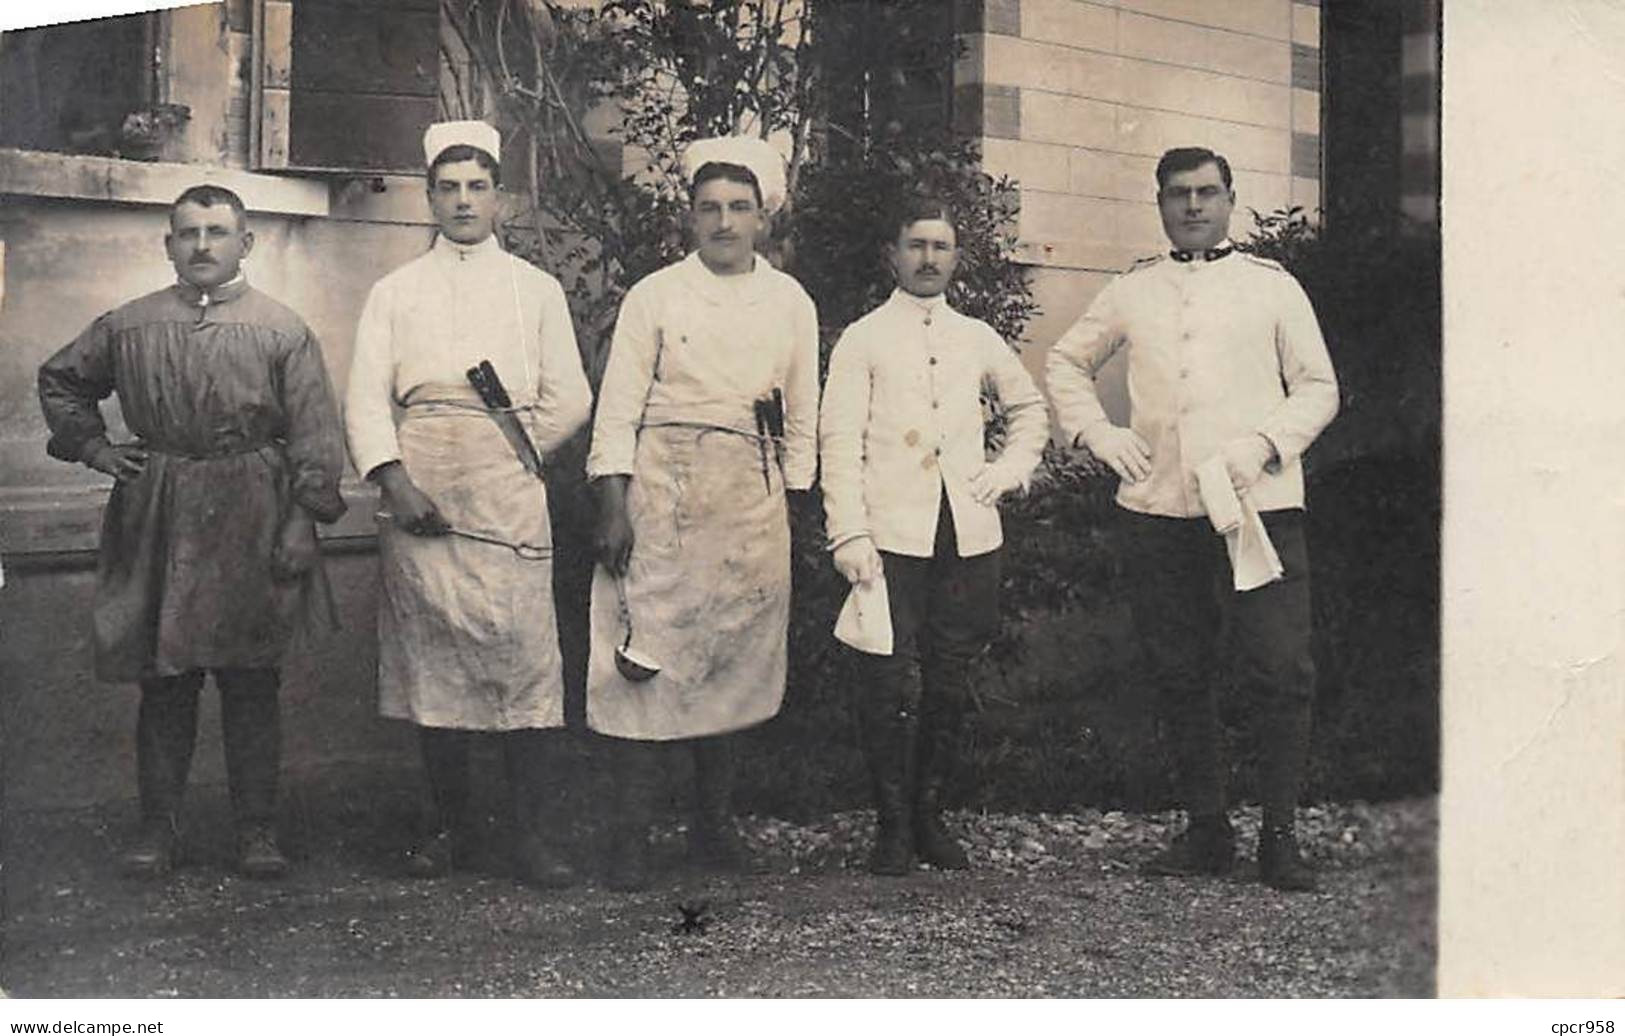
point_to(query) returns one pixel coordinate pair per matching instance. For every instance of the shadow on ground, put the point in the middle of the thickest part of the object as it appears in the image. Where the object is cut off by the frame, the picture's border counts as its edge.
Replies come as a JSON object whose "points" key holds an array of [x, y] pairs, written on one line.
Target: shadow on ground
{"points": [[1052, 907]]}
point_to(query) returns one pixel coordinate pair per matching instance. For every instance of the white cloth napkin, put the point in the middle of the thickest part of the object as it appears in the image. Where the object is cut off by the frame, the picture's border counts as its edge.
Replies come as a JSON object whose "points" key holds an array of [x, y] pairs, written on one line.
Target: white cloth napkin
{"points": [[865, 619], [1253, 560]]}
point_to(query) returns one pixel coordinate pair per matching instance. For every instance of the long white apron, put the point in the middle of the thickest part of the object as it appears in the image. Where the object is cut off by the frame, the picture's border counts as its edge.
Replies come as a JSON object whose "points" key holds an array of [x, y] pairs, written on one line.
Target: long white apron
{"points": [[708, 591], [467, 635]]}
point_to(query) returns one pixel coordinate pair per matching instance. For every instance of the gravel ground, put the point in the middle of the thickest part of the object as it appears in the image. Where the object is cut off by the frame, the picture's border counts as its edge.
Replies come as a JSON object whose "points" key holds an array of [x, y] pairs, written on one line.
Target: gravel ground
{"points": [[1052, 907]]}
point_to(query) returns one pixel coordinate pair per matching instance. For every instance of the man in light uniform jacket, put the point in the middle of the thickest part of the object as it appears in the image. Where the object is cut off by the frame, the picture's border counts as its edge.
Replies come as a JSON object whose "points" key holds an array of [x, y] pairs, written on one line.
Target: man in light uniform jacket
{"points": [[1225, 359], [910, 496], [467, 637]]}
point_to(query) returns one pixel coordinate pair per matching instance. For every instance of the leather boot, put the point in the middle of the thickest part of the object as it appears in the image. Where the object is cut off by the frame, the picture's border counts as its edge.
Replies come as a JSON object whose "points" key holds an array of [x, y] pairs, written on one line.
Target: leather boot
{"points": [[890, 731], [940, 744], [445, 765], [1286, 754], [1206, 846], [165, 733], [250, 718], [1280, 865], [151, 853], [634, 763], [932, 840], [536, 785], [714, 841]]}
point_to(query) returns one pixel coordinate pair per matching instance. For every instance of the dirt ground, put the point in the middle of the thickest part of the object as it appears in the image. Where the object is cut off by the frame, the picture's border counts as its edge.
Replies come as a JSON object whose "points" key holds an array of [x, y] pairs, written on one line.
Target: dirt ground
{"points": [[1052, 907]]}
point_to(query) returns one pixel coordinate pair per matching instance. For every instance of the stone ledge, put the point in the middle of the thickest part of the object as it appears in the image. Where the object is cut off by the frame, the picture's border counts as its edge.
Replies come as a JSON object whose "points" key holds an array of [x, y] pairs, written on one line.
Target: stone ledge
{"points": [[48, 175], [58, 521]]}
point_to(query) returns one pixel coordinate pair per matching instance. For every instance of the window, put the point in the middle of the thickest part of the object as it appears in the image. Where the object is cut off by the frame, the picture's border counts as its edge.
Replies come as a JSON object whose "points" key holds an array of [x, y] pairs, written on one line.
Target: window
{"points": [[85, 88], [344, 85]]}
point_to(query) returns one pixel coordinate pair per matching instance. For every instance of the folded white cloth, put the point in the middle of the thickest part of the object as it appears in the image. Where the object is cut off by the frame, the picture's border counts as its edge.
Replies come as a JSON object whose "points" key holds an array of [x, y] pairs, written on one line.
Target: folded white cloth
{"points": [[1253, 560], [865, 619]]}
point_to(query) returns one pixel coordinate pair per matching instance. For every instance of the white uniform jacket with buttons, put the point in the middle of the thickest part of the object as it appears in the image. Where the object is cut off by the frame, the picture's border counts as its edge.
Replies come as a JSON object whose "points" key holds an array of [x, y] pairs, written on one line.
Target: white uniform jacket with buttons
{"points": [[466, 631], [1217, 350], [691, 347], [902, 423], [427, 322], [707, 587]]}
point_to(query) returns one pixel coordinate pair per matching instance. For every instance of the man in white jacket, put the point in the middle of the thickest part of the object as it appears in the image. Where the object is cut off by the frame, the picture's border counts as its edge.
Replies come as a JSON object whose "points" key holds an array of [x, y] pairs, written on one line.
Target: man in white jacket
{"points": [[1225, 363], [694, 536], [910, 497], [467, 639]]}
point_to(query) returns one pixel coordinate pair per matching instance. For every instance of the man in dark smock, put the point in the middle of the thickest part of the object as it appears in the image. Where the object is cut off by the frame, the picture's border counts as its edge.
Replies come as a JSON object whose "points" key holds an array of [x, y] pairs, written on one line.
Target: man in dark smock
{"points": [[208, 549]]}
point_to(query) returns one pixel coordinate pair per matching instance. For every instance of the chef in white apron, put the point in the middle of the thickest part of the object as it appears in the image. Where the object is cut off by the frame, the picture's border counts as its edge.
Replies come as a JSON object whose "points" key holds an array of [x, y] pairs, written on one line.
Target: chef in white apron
{"points": [[707, 414], [468, 639]]}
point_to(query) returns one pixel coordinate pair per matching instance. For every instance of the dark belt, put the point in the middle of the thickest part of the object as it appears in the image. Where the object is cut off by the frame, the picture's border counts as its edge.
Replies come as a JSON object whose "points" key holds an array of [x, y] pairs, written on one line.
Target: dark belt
{"points": [[215, 453]]}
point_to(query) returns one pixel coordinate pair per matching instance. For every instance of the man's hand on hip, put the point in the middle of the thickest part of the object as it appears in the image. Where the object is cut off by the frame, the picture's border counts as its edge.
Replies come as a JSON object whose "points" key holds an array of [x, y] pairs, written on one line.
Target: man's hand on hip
{"points": [[991, 483], [1120, 448], [125, 463], [858, 560]]}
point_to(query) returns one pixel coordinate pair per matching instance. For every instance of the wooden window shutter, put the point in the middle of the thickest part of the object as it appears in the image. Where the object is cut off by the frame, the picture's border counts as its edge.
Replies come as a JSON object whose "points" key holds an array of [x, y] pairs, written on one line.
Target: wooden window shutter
{"points": [[344, 85]]}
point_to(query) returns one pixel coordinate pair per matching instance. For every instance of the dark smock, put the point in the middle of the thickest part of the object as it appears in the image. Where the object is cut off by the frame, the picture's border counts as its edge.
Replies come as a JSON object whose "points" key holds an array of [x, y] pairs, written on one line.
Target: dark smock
{"points": [[230, 397]]}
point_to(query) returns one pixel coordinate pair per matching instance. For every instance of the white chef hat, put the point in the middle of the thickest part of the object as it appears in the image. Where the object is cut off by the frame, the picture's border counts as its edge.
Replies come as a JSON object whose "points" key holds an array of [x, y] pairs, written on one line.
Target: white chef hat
{"points": [[761, 158], [471, 132]]}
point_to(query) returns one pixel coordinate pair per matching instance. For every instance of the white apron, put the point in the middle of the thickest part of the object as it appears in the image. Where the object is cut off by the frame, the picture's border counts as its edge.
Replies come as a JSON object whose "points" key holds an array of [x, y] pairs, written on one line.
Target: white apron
{"points": [[708, 590], [467, 634]]}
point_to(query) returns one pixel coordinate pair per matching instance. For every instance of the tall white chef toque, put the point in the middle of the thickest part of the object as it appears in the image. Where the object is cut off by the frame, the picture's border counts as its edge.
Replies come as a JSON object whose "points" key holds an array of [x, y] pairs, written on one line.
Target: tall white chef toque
{"points": [[470, 132], [762, 159]]}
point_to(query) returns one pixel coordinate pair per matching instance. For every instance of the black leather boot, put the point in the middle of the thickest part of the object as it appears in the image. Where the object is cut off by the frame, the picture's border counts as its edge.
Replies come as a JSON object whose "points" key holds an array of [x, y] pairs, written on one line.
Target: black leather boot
{"points": [[1286, 754], [714, 841], [634, 763], [445, 765], [250, 717], [1206, 846], [1280, 865], [165, 732], [890, 732], [941, 740], [536, 786], [932, 840], [151, 853]]}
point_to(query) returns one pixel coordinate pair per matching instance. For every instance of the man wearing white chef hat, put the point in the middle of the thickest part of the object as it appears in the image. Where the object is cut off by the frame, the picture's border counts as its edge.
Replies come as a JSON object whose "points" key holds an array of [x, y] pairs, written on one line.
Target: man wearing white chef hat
{"points": [[707, 414], [467, 636]]}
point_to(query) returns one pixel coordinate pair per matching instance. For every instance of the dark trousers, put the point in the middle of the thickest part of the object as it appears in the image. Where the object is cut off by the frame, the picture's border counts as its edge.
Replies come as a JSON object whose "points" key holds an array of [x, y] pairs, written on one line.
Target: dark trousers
{"points": [[533, 762], [944, 612], [166, 731], [1183, 598]]}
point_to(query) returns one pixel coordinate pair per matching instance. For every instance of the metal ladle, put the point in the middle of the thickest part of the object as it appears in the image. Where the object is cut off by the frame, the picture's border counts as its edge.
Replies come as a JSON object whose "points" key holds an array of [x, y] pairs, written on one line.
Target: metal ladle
{"points": [[635, 667], [526, 551]]}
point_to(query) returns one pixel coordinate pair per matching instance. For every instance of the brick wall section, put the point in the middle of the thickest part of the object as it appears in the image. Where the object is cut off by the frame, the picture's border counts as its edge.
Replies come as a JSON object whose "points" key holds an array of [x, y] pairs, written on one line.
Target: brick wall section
{"points": [[1419, 70], [1077, 98]]}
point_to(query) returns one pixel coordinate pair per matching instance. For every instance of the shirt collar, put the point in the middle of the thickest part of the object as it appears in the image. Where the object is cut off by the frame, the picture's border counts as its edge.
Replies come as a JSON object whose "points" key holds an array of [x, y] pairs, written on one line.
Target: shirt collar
{"points": [[1210, 255], [928, 306], [449, 249], [728, 288], [192, 295]]}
